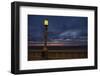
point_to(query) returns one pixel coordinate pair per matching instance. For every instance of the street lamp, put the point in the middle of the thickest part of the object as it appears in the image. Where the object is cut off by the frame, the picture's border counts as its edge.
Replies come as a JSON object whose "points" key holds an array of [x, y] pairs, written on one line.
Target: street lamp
{"points": [[45, 23], [45, 48]]}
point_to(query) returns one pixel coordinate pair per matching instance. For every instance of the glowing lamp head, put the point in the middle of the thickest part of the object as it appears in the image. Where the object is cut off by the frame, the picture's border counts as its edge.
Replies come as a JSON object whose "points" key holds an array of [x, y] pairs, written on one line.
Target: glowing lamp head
{"points": [[46, 22]]}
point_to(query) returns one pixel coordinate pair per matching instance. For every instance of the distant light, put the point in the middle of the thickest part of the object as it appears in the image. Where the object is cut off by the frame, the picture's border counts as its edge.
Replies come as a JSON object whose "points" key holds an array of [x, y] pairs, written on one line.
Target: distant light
{"points": [[46, 22]]}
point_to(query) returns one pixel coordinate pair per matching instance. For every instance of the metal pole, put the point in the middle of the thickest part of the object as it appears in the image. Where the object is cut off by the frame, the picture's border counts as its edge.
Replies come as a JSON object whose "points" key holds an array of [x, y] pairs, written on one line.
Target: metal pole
{"points": [[45, 48]]}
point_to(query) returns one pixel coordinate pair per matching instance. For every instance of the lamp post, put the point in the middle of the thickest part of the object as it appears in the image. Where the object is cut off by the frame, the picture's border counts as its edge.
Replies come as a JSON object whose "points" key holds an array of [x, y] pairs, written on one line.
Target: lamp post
{"points": [[45, 48]]}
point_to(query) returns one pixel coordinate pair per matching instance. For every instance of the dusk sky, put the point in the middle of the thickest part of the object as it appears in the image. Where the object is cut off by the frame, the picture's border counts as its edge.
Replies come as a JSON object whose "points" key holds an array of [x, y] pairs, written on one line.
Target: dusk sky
{"points": [[60, 27]]}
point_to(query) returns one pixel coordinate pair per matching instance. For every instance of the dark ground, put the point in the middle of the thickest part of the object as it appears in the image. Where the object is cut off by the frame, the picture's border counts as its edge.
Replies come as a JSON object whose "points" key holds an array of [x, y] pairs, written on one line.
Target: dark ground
{"points": [[54, 52]]}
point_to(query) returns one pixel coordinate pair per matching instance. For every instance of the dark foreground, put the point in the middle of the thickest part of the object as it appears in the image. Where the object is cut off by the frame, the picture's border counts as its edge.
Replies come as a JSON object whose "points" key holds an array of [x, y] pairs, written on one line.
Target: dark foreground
{"points": [[70, 52]]}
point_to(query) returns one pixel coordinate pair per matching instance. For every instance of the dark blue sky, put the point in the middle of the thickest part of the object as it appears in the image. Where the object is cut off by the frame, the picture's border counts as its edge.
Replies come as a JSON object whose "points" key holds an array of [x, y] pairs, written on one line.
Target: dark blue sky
{"points": [[59, 27]]}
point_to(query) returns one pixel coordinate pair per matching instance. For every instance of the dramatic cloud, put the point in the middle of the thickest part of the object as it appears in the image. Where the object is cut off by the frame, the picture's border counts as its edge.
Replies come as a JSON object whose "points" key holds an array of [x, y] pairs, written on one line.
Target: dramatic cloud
{"points": [[60, 27]]}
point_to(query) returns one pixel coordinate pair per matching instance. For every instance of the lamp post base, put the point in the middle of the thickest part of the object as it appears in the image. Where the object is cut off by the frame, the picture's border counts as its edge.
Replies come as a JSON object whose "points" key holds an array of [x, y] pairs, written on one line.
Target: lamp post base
{"points": [[44, 53]]}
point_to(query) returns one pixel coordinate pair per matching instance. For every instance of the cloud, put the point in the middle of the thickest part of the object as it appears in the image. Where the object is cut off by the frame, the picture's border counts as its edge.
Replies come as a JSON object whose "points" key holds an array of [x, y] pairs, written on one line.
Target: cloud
{"points": [[72, 34]]}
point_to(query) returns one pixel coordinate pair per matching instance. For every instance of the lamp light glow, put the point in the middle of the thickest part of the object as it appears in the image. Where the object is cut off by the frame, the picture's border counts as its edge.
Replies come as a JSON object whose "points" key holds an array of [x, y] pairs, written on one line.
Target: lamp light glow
{"points": [[46, 22]]}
